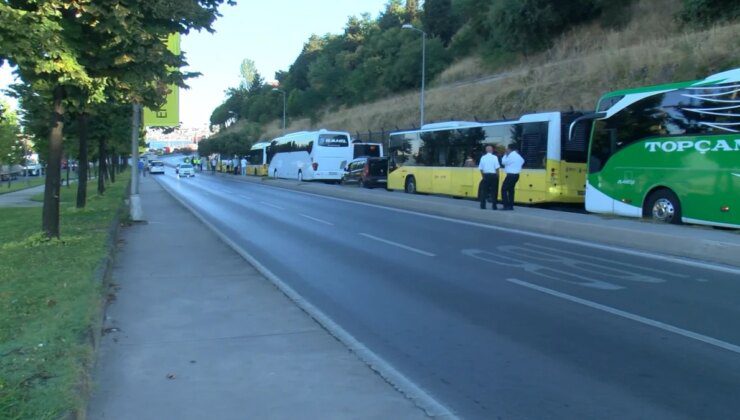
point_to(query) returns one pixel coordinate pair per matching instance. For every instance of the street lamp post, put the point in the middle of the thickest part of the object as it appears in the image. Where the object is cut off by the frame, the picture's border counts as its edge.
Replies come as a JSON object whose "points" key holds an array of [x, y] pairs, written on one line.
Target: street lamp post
{"points": [[423, 66], [284, 104]]}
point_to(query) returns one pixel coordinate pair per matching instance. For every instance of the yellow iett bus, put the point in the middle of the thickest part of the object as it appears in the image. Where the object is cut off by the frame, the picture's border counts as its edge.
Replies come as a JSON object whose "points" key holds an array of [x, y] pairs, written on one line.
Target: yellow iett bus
{"points": [[257, 162], [442, 158]]}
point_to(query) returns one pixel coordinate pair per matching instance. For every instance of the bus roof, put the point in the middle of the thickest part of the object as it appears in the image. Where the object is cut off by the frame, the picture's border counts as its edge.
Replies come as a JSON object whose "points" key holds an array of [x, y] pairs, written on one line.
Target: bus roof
{"points": [[303, 133], [726, 76], [260, 145], [470, 124], [645, 89]]}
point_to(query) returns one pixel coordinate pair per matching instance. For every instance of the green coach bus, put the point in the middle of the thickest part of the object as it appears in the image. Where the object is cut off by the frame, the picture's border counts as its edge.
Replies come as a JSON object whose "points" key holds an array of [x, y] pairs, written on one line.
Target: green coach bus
{"points": [[668, 152]]}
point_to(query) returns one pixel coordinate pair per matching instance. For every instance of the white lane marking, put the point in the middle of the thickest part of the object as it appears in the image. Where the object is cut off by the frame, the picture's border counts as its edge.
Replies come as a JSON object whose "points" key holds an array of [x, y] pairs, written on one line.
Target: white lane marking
{"points": [[643, 254], [637, 318], [402, 246], [540, 270], [606, 260], [245, 196], [272, 205], [316, 220]]}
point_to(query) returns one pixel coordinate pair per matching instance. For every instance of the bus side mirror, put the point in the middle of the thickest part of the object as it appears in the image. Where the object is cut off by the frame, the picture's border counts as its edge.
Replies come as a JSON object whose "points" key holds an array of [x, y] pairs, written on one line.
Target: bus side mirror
{"points": [[587, 117]]}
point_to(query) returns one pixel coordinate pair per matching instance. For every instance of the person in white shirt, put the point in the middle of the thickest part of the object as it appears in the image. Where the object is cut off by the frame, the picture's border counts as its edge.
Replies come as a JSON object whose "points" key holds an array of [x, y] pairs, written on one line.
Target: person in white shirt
{"points": [[513, 163], [244, 166], [489, 167]]}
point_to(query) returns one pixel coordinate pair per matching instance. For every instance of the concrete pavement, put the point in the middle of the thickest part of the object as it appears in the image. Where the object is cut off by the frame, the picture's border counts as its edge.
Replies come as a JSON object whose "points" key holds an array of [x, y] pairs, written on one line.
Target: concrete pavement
{"points": [[193, 332], [21, 198], [497, 322]]}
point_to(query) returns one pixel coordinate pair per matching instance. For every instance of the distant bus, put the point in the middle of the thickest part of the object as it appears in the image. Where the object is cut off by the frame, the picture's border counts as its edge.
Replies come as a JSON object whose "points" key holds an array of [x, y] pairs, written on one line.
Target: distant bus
{"points": [[443, 158], [668, 152], [310, 155], [367, 150], [257, 162]]}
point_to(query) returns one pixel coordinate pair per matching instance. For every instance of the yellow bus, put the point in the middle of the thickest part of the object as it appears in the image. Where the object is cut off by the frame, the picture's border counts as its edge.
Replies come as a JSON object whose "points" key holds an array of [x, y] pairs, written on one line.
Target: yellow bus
{"points": [[442, 158], [257, 161]]}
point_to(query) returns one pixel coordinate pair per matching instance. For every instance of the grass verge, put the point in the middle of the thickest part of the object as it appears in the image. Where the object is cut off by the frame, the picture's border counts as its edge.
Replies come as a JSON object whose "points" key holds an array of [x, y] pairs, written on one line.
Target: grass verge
{"points": [[18, 185], [50, 302]]}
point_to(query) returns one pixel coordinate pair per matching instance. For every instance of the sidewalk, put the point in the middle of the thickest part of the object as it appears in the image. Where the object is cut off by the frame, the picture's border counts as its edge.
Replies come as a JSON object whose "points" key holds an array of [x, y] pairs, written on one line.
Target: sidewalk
{"points": [[21, 198], [195, 332]]}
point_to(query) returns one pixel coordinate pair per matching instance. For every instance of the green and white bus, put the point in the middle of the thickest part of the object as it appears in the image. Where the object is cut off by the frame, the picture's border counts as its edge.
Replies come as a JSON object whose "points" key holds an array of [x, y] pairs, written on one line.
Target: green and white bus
{"points": [[668, 152]]}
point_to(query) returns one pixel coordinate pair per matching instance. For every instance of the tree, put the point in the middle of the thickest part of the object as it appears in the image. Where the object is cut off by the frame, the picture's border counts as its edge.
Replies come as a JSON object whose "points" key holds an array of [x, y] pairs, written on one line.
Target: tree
{"points": [[93, 51], [248, 71], [439, 20], [412, 10], [393, 16], [707, 11], [10, 150]]}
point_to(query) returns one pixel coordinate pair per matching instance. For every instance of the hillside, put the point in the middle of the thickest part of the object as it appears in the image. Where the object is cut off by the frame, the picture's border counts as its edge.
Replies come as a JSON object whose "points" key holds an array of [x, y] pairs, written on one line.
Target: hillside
{"points": [[580, 66]]}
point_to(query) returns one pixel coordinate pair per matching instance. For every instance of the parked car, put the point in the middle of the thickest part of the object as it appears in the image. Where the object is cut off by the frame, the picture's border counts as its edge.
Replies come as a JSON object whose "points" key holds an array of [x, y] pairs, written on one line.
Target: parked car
{"points": [[185, 170], [367, 172], [156, 167]]}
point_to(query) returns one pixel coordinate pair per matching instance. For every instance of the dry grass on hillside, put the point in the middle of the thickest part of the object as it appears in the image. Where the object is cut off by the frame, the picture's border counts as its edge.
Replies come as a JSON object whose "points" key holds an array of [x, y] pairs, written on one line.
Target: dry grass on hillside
{"points": [[579, 68]]}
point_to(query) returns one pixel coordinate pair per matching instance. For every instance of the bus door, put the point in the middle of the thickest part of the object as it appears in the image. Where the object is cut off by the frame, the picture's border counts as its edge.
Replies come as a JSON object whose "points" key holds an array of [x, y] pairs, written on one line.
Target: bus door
{"points": [[532, 185]]}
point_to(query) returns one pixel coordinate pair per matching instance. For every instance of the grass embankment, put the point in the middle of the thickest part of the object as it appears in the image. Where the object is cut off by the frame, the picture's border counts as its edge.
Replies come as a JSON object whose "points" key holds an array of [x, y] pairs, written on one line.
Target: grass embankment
{"points": [[23, 184], [50, 303], [582, 65]]}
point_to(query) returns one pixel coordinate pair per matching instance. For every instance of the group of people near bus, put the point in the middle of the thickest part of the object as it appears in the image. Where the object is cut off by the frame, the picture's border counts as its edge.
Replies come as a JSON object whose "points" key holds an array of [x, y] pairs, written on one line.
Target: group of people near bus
{"points": [[235, 166], [489, 165]]}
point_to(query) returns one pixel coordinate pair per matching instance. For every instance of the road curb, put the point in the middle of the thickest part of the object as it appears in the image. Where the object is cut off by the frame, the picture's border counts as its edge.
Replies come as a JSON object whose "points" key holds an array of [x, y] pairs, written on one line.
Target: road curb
{"points": [[101, 275], [431, 407], [706, 250]]}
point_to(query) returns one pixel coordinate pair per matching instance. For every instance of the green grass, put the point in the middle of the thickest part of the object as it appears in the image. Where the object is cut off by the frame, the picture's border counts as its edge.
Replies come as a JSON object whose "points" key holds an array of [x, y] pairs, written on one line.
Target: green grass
{"points": [[50, 304], [18, 185]]}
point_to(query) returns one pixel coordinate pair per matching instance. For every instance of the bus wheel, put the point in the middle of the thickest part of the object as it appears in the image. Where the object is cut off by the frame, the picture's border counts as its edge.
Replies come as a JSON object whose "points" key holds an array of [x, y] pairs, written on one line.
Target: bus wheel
{"points": [[300, 176], [410, 185], [663, 206]]}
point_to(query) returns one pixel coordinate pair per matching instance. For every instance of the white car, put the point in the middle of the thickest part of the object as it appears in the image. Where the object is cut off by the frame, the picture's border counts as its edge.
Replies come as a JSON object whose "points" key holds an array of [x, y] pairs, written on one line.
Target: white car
{"points": [[156, 167], [32, 169], [185, 170]]}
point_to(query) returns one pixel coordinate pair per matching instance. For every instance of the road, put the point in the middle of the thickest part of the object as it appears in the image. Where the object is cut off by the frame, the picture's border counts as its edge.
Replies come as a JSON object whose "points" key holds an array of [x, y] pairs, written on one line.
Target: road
{"points": [[495, 323]]}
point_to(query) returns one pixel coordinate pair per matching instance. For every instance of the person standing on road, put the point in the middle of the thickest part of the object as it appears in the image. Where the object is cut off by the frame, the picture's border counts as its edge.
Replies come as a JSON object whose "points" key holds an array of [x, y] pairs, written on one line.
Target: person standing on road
{"points": [[513, 163], [489, 167], [244, 166], [213, 166], [140, 165]]}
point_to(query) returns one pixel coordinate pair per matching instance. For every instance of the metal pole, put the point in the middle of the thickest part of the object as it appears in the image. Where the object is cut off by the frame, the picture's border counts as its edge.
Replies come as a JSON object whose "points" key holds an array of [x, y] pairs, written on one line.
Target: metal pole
{"points": [[135, 200], [423, 72]]}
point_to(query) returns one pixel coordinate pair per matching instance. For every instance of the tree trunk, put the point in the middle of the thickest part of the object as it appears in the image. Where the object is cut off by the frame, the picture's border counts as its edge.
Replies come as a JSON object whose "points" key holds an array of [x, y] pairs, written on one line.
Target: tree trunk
{"points": [[113, 169], [82, 165], [50, 215], [101, 166]]}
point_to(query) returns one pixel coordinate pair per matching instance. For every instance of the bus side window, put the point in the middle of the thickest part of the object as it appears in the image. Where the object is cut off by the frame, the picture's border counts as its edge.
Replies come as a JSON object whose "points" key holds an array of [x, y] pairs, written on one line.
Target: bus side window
{"points": [[533, 146]]}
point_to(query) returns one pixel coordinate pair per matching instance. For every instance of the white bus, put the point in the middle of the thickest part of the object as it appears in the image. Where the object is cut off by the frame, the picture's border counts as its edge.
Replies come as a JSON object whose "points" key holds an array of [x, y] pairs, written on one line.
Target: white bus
{"points": [[310, 155]]}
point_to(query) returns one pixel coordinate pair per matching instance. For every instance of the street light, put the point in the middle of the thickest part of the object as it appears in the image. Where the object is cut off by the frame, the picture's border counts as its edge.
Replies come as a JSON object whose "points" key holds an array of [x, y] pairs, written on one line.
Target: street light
{"points": [[284, 104], [423, 66]]}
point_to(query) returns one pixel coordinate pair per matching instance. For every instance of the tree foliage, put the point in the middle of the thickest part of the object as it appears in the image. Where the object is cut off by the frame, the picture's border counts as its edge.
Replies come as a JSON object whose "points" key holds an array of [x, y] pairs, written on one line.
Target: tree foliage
{"points": [[10, 152], [76, 54], [707, 11]]}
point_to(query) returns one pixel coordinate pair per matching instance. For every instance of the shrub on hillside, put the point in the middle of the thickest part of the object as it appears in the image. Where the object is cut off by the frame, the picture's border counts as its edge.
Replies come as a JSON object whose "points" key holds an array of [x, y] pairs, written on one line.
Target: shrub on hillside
{"points": [[708, 11]]}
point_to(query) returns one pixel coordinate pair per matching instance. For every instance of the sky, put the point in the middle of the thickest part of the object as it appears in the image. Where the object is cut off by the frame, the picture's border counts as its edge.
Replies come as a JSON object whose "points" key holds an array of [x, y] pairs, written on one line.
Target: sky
{"points": [[271, 33]]}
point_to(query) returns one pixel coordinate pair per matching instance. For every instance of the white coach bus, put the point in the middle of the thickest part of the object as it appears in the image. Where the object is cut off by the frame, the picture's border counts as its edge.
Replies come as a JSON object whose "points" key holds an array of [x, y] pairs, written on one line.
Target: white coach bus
{"points": [[310, 155]]}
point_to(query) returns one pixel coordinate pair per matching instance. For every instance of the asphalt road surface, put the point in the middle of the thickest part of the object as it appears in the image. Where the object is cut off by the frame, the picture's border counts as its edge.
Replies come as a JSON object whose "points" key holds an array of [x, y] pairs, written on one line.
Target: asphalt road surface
{"points": [[496, 323]]}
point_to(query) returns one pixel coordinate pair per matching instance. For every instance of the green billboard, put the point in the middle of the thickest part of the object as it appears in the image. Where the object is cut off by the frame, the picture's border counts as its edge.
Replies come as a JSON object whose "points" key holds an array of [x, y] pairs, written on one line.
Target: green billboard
{"points": [[169, 114]]}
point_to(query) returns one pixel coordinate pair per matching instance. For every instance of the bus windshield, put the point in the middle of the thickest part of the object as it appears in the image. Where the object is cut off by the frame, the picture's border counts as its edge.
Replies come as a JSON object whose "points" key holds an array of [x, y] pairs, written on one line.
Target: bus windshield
{"points": [[333, 140]]}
